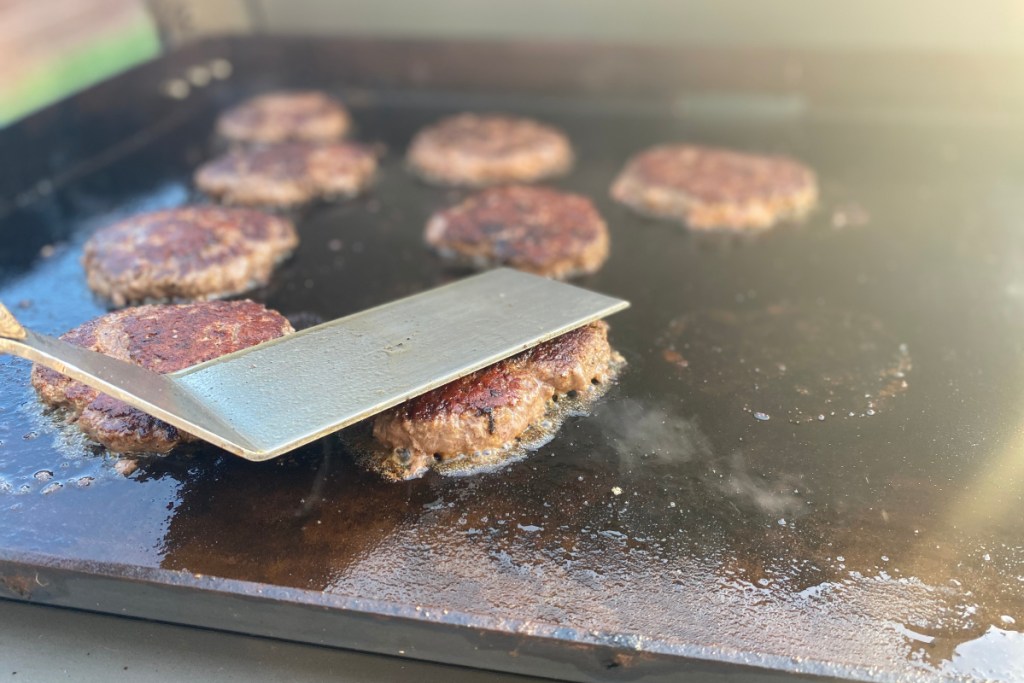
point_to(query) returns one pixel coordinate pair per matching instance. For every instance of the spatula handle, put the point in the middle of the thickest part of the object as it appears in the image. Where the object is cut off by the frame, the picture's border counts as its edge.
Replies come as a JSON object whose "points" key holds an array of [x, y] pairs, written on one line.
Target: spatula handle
{"points": [[10, 328]]}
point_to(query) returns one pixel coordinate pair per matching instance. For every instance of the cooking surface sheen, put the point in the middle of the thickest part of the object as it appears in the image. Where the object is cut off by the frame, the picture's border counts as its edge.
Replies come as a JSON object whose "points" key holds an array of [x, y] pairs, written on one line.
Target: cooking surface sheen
{"points": [[698, 511]]}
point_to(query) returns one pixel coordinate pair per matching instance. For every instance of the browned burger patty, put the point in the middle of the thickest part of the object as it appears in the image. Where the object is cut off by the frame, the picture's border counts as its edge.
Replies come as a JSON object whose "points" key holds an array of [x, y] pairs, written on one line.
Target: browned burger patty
{"points": [[490, 408], [196, 252], [308, 116], [708, 188], [288, 173], [488, 149], [162, 339], [535, 229]]}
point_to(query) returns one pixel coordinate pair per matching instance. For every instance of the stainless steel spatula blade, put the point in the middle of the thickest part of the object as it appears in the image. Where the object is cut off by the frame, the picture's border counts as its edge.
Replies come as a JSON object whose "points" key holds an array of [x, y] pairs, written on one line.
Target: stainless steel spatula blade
{"points": [[269, 399]]}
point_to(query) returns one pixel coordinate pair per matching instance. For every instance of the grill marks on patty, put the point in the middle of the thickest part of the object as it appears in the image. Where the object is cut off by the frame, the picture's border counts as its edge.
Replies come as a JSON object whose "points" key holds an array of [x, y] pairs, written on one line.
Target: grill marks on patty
{"points": [[492, 407], [475, 150], [707, 187], [289, 173], [535, 229], [195, 252], [305, 115], [159, 338]]}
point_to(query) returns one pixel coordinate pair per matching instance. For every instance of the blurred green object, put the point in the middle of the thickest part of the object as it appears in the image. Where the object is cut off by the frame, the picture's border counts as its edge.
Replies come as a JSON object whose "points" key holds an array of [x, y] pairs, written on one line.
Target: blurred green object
{"points": [[79, 68]]}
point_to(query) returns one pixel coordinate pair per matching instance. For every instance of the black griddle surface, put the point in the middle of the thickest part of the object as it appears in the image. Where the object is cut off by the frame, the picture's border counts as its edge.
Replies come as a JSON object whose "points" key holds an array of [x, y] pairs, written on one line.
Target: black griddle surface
{"points": [[678, 525]]}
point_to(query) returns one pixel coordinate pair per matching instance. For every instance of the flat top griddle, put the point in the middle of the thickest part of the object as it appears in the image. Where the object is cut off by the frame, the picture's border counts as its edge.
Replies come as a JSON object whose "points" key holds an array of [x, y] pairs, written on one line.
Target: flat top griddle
{"points": [[700, 519]]}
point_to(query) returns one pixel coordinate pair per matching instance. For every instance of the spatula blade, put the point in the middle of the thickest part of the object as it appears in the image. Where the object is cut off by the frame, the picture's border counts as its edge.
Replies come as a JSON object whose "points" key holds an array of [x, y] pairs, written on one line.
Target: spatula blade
{"points": [[290, 391]]}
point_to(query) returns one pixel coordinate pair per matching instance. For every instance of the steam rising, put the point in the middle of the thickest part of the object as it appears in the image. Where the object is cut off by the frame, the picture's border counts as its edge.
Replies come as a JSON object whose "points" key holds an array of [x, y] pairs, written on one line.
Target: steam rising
{"points": [[773, 496], [645, 435], [638, 431]]}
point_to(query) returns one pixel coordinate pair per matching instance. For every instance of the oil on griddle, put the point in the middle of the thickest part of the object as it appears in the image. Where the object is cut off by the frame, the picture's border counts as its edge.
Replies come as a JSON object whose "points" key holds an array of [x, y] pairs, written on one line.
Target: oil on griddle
{"points": [[668, 520]]}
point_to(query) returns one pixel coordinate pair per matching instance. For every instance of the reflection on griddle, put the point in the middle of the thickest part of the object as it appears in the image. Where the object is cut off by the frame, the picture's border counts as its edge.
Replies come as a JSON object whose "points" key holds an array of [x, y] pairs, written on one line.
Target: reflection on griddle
{"points": [[295, 521], [697, 542], [878, 546], [797, 363]]}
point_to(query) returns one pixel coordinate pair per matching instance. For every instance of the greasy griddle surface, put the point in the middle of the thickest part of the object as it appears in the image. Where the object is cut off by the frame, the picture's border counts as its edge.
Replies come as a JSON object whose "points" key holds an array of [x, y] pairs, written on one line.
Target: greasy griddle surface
{"points": [[671, 520]]}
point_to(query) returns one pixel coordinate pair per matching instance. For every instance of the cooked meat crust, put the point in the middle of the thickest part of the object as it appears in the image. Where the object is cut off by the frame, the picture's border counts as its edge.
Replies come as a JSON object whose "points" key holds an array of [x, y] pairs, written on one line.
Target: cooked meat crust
{"points": [[708, 188], [487, 149], [197, 252], [160, 338], [306, 115], [288, 173], [535, 229], [493, 406]]}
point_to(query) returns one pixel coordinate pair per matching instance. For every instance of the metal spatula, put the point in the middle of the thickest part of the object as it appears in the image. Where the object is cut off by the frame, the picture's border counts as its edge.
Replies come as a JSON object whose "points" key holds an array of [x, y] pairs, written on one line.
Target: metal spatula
{"points": [[268, 399]]}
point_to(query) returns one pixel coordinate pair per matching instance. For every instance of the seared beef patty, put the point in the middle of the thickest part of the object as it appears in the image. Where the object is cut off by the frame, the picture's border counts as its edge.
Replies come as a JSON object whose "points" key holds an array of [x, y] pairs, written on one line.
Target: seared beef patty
{"points": [[535, 229], [487, 149], [195, 252], [288, 173], [490, 408], [708, 188], [305, 115], [162, 339]]}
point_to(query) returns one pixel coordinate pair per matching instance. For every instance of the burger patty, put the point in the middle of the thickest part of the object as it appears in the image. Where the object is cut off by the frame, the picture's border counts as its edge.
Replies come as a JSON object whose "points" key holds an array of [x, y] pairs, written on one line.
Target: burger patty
{"points": [[492, 407], [195, 252], [305, 115], [487, 149], [708, 188], [535, 229], [162, 339], [288, 173]]}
